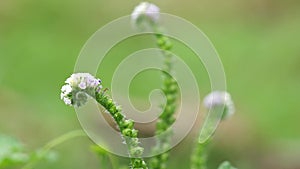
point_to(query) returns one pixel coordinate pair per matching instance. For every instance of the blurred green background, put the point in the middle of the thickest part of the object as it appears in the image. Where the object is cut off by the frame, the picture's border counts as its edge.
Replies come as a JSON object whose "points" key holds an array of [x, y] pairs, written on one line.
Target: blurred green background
{"points": [[258, 42]]}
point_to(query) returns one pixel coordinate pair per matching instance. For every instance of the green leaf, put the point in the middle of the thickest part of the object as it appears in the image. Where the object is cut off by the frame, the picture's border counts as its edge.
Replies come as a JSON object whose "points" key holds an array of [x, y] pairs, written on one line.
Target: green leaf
{"points": [[226, 165], [11, 152]]}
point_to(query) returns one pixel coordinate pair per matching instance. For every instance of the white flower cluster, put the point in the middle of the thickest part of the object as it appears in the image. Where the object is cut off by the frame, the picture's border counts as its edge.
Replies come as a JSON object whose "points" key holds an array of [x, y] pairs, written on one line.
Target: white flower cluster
{"points": [[220, 98], [78, 87], [145, 10]]}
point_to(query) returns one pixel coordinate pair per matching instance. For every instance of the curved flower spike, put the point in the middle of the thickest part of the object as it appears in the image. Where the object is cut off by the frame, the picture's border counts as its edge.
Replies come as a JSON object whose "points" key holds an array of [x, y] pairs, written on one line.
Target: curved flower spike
{"points": [[218, 99], [78, 88], [76, 91], [145, 10]]}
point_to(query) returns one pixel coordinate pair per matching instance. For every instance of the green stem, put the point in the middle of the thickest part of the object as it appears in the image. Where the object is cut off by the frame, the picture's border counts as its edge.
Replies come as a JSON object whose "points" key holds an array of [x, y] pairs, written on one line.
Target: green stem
{"points": [[127, 131], [53, 143], [199, 156], [166, 119]]}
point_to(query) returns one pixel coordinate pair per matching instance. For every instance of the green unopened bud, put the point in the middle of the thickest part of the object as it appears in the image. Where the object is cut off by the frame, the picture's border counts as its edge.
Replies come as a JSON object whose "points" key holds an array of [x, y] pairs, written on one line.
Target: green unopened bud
{"points": [[136, 151], [118, 117], [113, 109], [130, 133], [168, 45], [127, 124], [171, 98], [134, 142], [160, 41], [110, 103], [164, 156]]}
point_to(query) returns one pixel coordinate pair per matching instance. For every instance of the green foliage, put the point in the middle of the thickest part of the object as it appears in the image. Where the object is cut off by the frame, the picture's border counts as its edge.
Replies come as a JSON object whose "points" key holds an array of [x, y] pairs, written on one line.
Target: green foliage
{"points": [[11, 152], [226, 165], [45, 153], [49, 156]]}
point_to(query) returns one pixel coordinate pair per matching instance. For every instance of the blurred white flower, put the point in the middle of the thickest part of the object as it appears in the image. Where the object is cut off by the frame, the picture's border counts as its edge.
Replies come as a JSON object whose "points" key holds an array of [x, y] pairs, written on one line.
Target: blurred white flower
{"points": [[78, 87], [219, 99], [66, 89], [145, 10]]}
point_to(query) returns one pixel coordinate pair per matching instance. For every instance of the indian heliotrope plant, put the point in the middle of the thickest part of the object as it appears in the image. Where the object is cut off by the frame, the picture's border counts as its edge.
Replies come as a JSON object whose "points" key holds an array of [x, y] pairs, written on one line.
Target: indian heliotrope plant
{"points": [[148, 14], [214, 101], [81, 86]]}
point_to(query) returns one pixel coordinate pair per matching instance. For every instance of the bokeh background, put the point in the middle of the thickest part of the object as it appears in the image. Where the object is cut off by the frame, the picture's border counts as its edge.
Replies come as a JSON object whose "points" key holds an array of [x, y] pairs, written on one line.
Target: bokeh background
{"points": [[258, 42]]}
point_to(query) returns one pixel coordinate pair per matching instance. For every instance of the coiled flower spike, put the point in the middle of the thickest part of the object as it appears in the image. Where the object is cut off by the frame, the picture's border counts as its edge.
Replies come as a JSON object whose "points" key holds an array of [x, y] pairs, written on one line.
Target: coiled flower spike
{"points": [[76, 91], [216, 101], [78, 88]]}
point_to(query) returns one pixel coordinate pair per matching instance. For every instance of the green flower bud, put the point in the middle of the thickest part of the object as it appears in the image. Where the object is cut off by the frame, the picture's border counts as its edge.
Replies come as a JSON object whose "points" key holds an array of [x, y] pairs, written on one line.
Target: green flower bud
{"points": [[136, 151]]}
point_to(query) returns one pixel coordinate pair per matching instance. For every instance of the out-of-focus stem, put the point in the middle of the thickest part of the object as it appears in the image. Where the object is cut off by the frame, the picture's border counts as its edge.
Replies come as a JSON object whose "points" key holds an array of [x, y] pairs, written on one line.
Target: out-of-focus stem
{"points": [[53, 143], [199, 156], [166, 119]]}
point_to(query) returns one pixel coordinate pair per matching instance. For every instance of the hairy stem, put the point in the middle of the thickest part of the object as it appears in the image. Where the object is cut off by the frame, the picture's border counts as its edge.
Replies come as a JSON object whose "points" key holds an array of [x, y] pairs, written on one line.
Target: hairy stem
{"points": [[127, 131], [166, 119], [199, 156]]}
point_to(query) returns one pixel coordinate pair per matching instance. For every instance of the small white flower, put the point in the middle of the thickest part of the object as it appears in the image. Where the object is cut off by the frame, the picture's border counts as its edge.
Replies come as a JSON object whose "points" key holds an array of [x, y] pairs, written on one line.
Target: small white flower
{"points": [[62, 95], [67, 101], [82, 85], [78, 87], [98, 89], [68, 80], [145, 10], [220, 98], [66, 88]]}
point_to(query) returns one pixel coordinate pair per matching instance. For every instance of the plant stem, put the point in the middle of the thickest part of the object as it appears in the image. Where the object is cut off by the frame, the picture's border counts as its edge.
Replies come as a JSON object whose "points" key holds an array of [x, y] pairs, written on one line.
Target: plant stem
{"points": [[127, 131], [166, 119], [53, 143], [199, 156]]}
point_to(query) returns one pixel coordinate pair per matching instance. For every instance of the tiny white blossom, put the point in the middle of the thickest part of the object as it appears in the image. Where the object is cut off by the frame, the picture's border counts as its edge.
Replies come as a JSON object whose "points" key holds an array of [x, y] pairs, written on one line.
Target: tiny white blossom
{"points": [[67, 101], [98, 89], [62, 95], [82, 85], [66, 89], [145, 9], [78, 87], [220, 98]]}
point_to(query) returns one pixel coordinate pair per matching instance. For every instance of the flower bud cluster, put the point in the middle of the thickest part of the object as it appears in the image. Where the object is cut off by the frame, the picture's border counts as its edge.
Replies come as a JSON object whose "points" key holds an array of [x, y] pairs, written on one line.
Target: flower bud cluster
{"points": [[78, 88]]}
